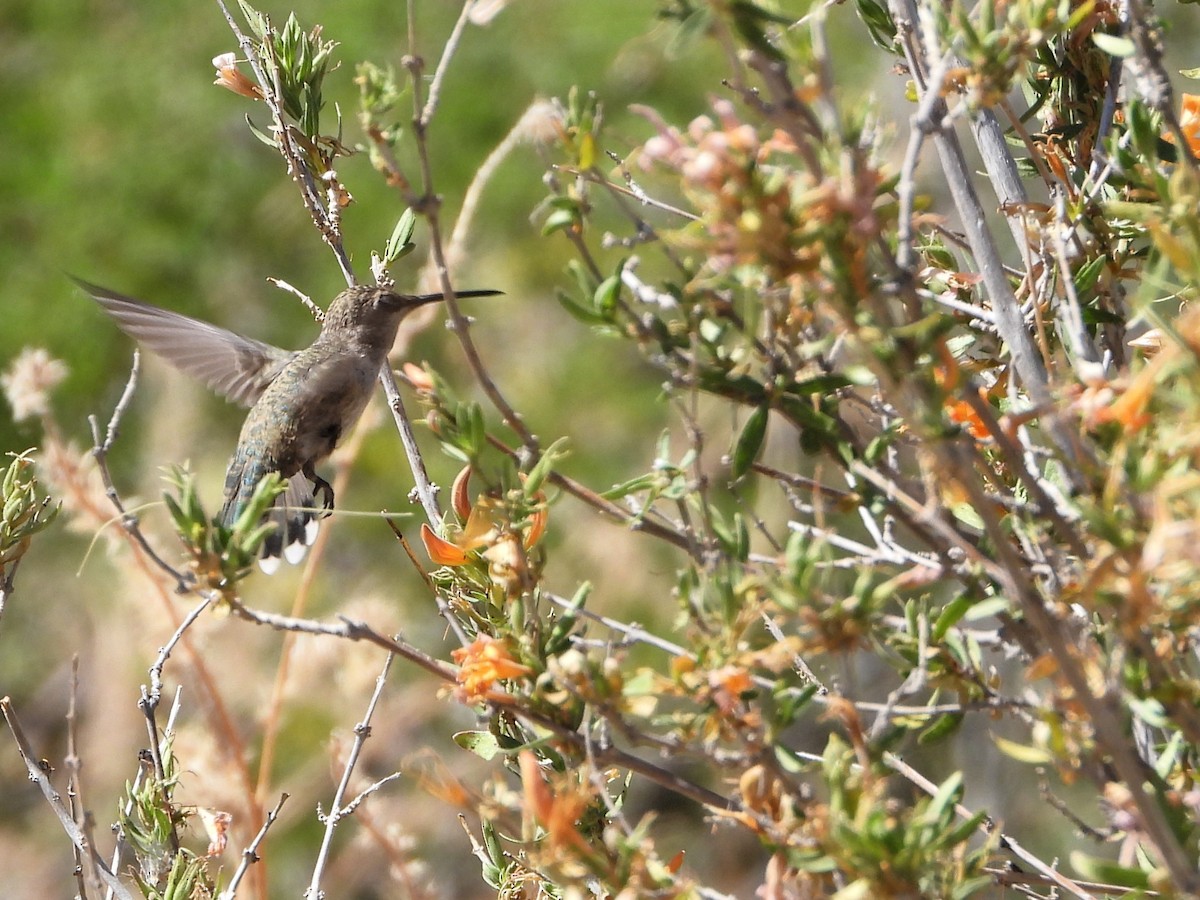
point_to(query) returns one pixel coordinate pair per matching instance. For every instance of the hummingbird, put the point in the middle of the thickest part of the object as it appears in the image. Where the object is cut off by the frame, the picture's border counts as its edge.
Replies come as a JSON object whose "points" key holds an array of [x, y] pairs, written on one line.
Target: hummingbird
{"points": [[301, 402]]}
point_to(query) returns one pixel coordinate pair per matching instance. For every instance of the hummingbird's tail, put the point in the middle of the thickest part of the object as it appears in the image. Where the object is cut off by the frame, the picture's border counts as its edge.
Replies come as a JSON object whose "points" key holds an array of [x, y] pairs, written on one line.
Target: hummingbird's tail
{"points": [[295, 515]]}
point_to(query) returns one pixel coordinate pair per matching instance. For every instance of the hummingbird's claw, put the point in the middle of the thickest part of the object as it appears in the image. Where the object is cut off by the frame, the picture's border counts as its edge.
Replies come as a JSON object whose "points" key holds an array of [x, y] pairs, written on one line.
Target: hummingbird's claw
{"points": [[323, 489]]}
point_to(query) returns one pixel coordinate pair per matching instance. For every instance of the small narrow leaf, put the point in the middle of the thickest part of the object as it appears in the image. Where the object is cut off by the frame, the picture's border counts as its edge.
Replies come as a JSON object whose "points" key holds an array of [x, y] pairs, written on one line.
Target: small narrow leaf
{"points": [[749, 442], [1022, 752], [1113, 45], [605, 297], [482, 743], [400, 243]]}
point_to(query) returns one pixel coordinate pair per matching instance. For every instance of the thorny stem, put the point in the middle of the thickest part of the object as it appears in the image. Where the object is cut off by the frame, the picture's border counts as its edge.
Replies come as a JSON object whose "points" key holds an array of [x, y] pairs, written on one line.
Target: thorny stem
{"points": [[356, 630], [268, 81], [350, 629], [422, 116], [164, 653], [85, 871], [6, 585], [423, 486], [250, 854], [1101, 709], [336, 811], [39, 774], [425, 115], [100, 451]]}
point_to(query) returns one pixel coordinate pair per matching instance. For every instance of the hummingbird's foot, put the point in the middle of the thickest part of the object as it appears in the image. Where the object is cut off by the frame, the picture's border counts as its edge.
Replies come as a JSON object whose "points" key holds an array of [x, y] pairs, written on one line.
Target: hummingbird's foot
{"points": [[321, 488]]}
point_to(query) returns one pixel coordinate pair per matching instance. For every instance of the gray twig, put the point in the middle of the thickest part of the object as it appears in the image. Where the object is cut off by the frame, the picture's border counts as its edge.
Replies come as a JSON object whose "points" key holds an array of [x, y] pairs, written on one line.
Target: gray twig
{"points": [[250, 854], [39, 773], [100, 450], [337, 811]]}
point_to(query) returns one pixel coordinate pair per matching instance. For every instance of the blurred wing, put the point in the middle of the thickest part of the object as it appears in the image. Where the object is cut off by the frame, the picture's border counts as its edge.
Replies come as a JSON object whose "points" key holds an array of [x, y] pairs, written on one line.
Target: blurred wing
{"points": [[236, 367]]}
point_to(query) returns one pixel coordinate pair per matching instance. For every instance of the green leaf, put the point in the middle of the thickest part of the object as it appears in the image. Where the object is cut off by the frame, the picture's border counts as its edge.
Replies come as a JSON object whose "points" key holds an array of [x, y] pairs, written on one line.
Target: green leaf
{"points": [[255, 19], [262, 135], [968, 515], [943, 801], [879, 23], [1094, 869], [605, 298], [821, 384], [1089, 273], [400, 243], [950, 615], [1114, 45], [632, 486], [1149, 711], [544, 466], [1169, 756], [582, 313], [482, 743], [788, 760], [962, 831], [943, 726], [559, 220], [749, 442], [985, 608], [1022, 752]]}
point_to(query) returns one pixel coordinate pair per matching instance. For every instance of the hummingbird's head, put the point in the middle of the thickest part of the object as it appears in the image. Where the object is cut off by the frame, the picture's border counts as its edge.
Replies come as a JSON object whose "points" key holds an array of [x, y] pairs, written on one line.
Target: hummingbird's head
{"points": [[366, 307], [373, 313]]}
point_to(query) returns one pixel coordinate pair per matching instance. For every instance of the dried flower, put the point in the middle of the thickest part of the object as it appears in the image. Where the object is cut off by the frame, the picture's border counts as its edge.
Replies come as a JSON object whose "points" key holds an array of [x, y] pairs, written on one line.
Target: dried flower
{"points": [[556, 811], [29, 380], [420, 380], [541, 123], [483, 11], [230, 77], [216, 825], [728, 684]]}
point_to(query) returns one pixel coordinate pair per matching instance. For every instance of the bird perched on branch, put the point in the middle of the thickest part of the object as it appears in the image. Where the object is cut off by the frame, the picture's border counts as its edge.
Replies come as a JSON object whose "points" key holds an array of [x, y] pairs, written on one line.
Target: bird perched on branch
{"points": [[301, 402]]}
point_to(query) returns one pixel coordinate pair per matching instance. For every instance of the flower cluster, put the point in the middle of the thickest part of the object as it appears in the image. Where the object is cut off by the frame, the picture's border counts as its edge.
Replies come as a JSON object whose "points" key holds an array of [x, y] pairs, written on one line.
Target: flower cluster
{"points": [[28, 382], [487, 533]]}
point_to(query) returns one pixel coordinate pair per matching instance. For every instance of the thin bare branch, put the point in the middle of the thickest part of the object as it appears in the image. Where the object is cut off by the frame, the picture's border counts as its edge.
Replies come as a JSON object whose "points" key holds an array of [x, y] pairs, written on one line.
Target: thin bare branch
{"points": [[250, 854], [39, 773], [337, 811]]}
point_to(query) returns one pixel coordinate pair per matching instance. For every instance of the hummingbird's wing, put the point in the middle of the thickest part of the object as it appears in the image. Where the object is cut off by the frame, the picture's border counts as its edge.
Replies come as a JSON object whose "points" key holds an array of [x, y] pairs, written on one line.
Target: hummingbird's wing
{"points": [[234, 366]]}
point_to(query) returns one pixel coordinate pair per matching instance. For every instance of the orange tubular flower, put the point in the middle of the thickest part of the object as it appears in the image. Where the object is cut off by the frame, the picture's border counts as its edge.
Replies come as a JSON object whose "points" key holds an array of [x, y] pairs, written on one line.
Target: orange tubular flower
{"points": [[728, 684], [960, 411], [484, 534], [1189, 122], [481, 664]]}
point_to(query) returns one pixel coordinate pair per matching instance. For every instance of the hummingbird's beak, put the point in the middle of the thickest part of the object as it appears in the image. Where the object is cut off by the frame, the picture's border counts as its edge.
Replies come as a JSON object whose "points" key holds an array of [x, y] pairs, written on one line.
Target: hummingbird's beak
{"points": [[422, 299]]}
